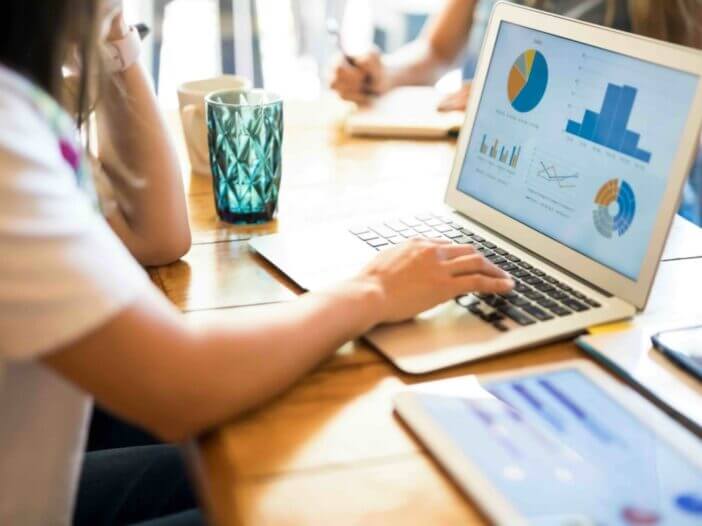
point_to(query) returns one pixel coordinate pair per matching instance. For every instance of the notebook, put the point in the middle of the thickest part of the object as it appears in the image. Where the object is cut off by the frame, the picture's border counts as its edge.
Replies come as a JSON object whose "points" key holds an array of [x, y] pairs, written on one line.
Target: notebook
{"points": [[407, 112]]}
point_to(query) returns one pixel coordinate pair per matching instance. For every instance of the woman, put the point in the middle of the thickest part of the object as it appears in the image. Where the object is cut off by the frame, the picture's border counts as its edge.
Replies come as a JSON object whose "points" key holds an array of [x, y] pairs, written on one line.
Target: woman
{"points": [[79, 318]]}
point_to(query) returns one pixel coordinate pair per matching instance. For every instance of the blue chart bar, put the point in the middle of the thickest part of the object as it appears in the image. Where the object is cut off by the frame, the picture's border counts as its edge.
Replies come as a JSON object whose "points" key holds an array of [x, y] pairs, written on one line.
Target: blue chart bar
{"points": [[578, 412], [609, 127], [536, 404]]}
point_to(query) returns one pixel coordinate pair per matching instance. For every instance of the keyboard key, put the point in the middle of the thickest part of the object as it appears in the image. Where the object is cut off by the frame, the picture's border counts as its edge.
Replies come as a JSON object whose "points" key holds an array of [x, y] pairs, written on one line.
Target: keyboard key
{"points": [[501, 251], [558, 295], [397, 226], [544, 287], [560, 311], [534, 295], [442, 228], [520, 274], [375, 243], [368, 236], [464, 240], [422, 229], [592, 303], [539, 273], [575, 305], [547, 303], [537, 313], [407, 233], [485, 252], [500, 326], [516, 315], [489, 245], [497, 259], [453, 234], [507, 266], [396, 240], [356, 231], [513, 259], [433, 222], [455, 225], [525, 265], [579, 295], [551, 280], [478, 238], [519, 301], [423, 217], [410, 221], [466, 301], [434, 235], [532, 280], [510, 296], [383, 231], [521, 287]]}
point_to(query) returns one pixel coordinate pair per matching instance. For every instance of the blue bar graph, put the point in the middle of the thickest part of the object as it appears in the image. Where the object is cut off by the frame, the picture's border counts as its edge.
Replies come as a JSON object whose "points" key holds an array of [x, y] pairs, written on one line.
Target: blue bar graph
{"points": [[609, 127]]}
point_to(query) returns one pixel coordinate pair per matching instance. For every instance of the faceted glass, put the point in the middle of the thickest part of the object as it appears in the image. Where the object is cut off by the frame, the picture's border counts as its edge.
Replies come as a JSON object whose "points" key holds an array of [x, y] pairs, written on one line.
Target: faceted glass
{"points": [[245, 133]]}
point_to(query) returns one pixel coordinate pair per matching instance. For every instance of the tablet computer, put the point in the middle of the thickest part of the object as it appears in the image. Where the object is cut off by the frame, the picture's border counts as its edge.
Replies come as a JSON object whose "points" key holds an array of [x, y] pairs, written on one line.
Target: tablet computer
{"points": [[559, 445]]}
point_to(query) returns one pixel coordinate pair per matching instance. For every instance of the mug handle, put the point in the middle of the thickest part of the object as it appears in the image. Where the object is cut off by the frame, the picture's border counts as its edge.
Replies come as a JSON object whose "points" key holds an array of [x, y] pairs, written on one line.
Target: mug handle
{"points": [[191, 114]]}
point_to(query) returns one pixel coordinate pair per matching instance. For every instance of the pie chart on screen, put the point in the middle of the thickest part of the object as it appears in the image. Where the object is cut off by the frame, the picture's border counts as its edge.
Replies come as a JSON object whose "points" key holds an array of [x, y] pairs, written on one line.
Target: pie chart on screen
{"points": [[527, 81]]}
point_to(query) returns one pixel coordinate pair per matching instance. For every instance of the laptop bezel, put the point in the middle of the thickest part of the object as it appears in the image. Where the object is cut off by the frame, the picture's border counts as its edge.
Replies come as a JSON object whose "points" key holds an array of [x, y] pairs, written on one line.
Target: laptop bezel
{"points": [[635, 292]]}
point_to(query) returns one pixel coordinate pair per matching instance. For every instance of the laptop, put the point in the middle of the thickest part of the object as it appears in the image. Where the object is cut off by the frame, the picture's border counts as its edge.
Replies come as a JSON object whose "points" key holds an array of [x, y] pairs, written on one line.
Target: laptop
{"points": [[568, 172]]}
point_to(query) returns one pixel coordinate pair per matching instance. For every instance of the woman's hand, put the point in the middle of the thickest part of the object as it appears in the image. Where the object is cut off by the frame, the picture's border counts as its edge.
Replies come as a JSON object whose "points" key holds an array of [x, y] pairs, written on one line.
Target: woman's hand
{"points": [[420, 274], [112, 16], [456, 101], [357, 82]]}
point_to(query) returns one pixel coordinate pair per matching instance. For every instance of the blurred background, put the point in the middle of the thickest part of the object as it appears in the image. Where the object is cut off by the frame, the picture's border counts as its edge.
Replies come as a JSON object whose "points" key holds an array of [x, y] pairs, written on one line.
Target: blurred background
{"points": [[280, 43], [284, 46]]}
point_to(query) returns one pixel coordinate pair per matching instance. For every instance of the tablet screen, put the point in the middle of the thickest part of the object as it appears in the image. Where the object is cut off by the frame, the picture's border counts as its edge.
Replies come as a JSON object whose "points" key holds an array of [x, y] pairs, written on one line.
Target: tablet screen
{"points": [[562, 451]]}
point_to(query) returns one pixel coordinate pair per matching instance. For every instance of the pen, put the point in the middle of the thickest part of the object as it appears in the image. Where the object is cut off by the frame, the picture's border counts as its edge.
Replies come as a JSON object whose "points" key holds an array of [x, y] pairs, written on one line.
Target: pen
{"points": [[334, 32]]}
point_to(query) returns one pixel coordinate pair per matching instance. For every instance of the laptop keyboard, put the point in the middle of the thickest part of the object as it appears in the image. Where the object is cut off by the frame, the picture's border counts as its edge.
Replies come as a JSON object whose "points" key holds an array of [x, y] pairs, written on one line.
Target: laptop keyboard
{"points": [[537, 297]]}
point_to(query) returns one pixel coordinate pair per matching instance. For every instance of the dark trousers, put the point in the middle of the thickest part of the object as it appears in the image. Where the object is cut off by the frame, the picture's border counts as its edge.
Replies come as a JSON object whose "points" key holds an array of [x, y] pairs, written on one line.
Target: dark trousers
{"points": [[130, 478]]}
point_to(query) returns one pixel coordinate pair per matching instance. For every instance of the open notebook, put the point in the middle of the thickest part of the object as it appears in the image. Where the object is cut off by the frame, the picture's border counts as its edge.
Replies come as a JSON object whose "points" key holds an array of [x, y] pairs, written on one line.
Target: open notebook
{"points": [[408, 112]]}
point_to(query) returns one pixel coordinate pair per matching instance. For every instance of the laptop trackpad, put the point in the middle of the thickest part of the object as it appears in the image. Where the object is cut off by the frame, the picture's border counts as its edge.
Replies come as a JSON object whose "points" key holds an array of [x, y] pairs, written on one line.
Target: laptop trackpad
{"points": [[435, 338]]}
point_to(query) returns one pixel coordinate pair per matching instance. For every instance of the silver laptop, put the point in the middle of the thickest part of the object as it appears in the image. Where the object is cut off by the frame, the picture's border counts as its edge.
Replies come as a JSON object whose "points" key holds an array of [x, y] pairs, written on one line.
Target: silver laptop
{"points": [[568, 172]]}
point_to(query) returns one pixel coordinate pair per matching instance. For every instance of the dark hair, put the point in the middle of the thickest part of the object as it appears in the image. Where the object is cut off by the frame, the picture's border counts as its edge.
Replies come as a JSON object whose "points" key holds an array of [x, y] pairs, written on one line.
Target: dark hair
{"points": [[36, 37]]}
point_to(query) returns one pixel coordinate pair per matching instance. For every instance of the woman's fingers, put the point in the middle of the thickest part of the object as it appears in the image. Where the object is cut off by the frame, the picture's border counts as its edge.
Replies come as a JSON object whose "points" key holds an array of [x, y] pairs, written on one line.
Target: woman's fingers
{"points": [[474, 264], [446, 250], [482, 284]]}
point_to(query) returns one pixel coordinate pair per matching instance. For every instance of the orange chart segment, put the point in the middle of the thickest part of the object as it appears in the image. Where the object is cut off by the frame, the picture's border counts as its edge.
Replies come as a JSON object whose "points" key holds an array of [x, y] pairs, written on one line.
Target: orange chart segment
{"points": [[608, 193], [516, 82]]}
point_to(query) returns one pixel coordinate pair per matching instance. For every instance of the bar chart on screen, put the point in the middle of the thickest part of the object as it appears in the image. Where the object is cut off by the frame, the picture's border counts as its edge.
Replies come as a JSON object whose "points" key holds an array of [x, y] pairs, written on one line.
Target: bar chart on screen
{"points": [[609, 126], [507, 155]]}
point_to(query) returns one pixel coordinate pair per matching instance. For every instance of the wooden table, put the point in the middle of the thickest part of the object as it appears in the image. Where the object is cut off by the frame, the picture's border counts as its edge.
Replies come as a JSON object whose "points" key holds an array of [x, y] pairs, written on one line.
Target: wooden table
{"points": [[330, 450]]}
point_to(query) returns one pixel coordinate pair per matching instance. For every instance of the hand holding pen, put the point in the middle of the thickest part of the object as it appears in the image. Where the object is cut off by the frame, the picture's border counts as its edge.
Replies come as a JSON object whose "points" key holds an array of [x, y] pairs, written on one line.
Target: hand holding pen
{"points": [[357, 78]]}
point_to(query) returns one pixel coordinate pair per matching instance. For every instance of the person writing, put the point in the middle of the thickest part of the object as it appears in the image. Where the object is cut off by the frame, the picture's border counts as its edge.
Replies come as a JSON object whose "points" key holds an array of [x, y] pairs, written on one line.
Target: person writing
{"points": [[455, 32], [79, 317]]}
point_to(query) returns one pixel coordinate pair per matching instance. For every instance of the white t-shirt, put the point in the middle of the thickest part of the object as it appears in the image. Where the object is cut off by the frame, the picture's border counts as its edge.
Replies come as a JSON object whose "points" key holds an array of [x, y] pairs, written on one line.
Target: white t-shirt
{"points": [[63, 274]]}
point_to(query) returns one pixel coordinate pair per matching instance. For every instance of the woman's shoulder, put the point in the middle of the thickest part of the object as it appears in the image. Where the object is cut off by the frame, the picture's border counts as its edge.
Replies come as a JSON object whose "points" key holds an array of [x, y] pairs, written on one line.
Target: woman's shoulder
{"points": [[27, 141]]}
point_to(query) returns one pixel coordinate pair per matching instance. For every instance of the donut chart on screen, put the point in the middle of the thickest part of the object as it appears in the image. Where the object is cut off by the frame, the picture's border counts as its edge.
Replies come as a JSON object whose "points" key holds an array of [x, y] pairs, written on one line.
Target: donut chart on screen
{"points": [[615, 208], [527, 81]]}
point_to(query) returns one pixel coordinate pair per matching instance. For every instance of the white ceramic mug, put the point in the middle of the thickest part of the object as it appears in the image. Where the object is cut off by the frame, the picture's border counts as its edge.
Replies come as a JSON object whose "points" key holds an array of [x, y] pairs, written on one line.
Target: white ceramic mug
{"points": [[191, 97]]}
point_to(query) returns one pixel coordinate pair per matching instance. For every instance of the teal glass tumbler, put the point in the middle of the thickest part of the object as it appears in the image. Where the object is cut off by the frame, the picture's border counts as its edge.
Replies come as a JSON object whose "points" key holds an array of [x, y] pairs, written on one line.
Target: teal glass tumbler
{"points": [[245, 134]]}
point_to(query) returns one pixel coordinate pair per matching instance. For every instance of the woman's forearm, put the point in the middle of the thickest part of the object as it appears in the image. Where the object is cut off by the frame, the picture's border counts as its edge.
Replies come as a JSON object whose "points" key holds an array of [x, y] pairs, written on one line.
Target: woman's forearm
{"points": [[139, 156], [426, 59], [147, 367]]}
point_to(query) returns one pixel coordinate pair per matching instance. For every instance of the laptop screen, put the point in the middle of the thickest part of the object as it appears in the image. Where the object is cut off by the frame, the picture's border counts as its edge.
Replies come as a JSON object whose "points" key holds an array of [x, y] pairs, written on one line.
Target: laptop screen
{"points": [[577, 142]]}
